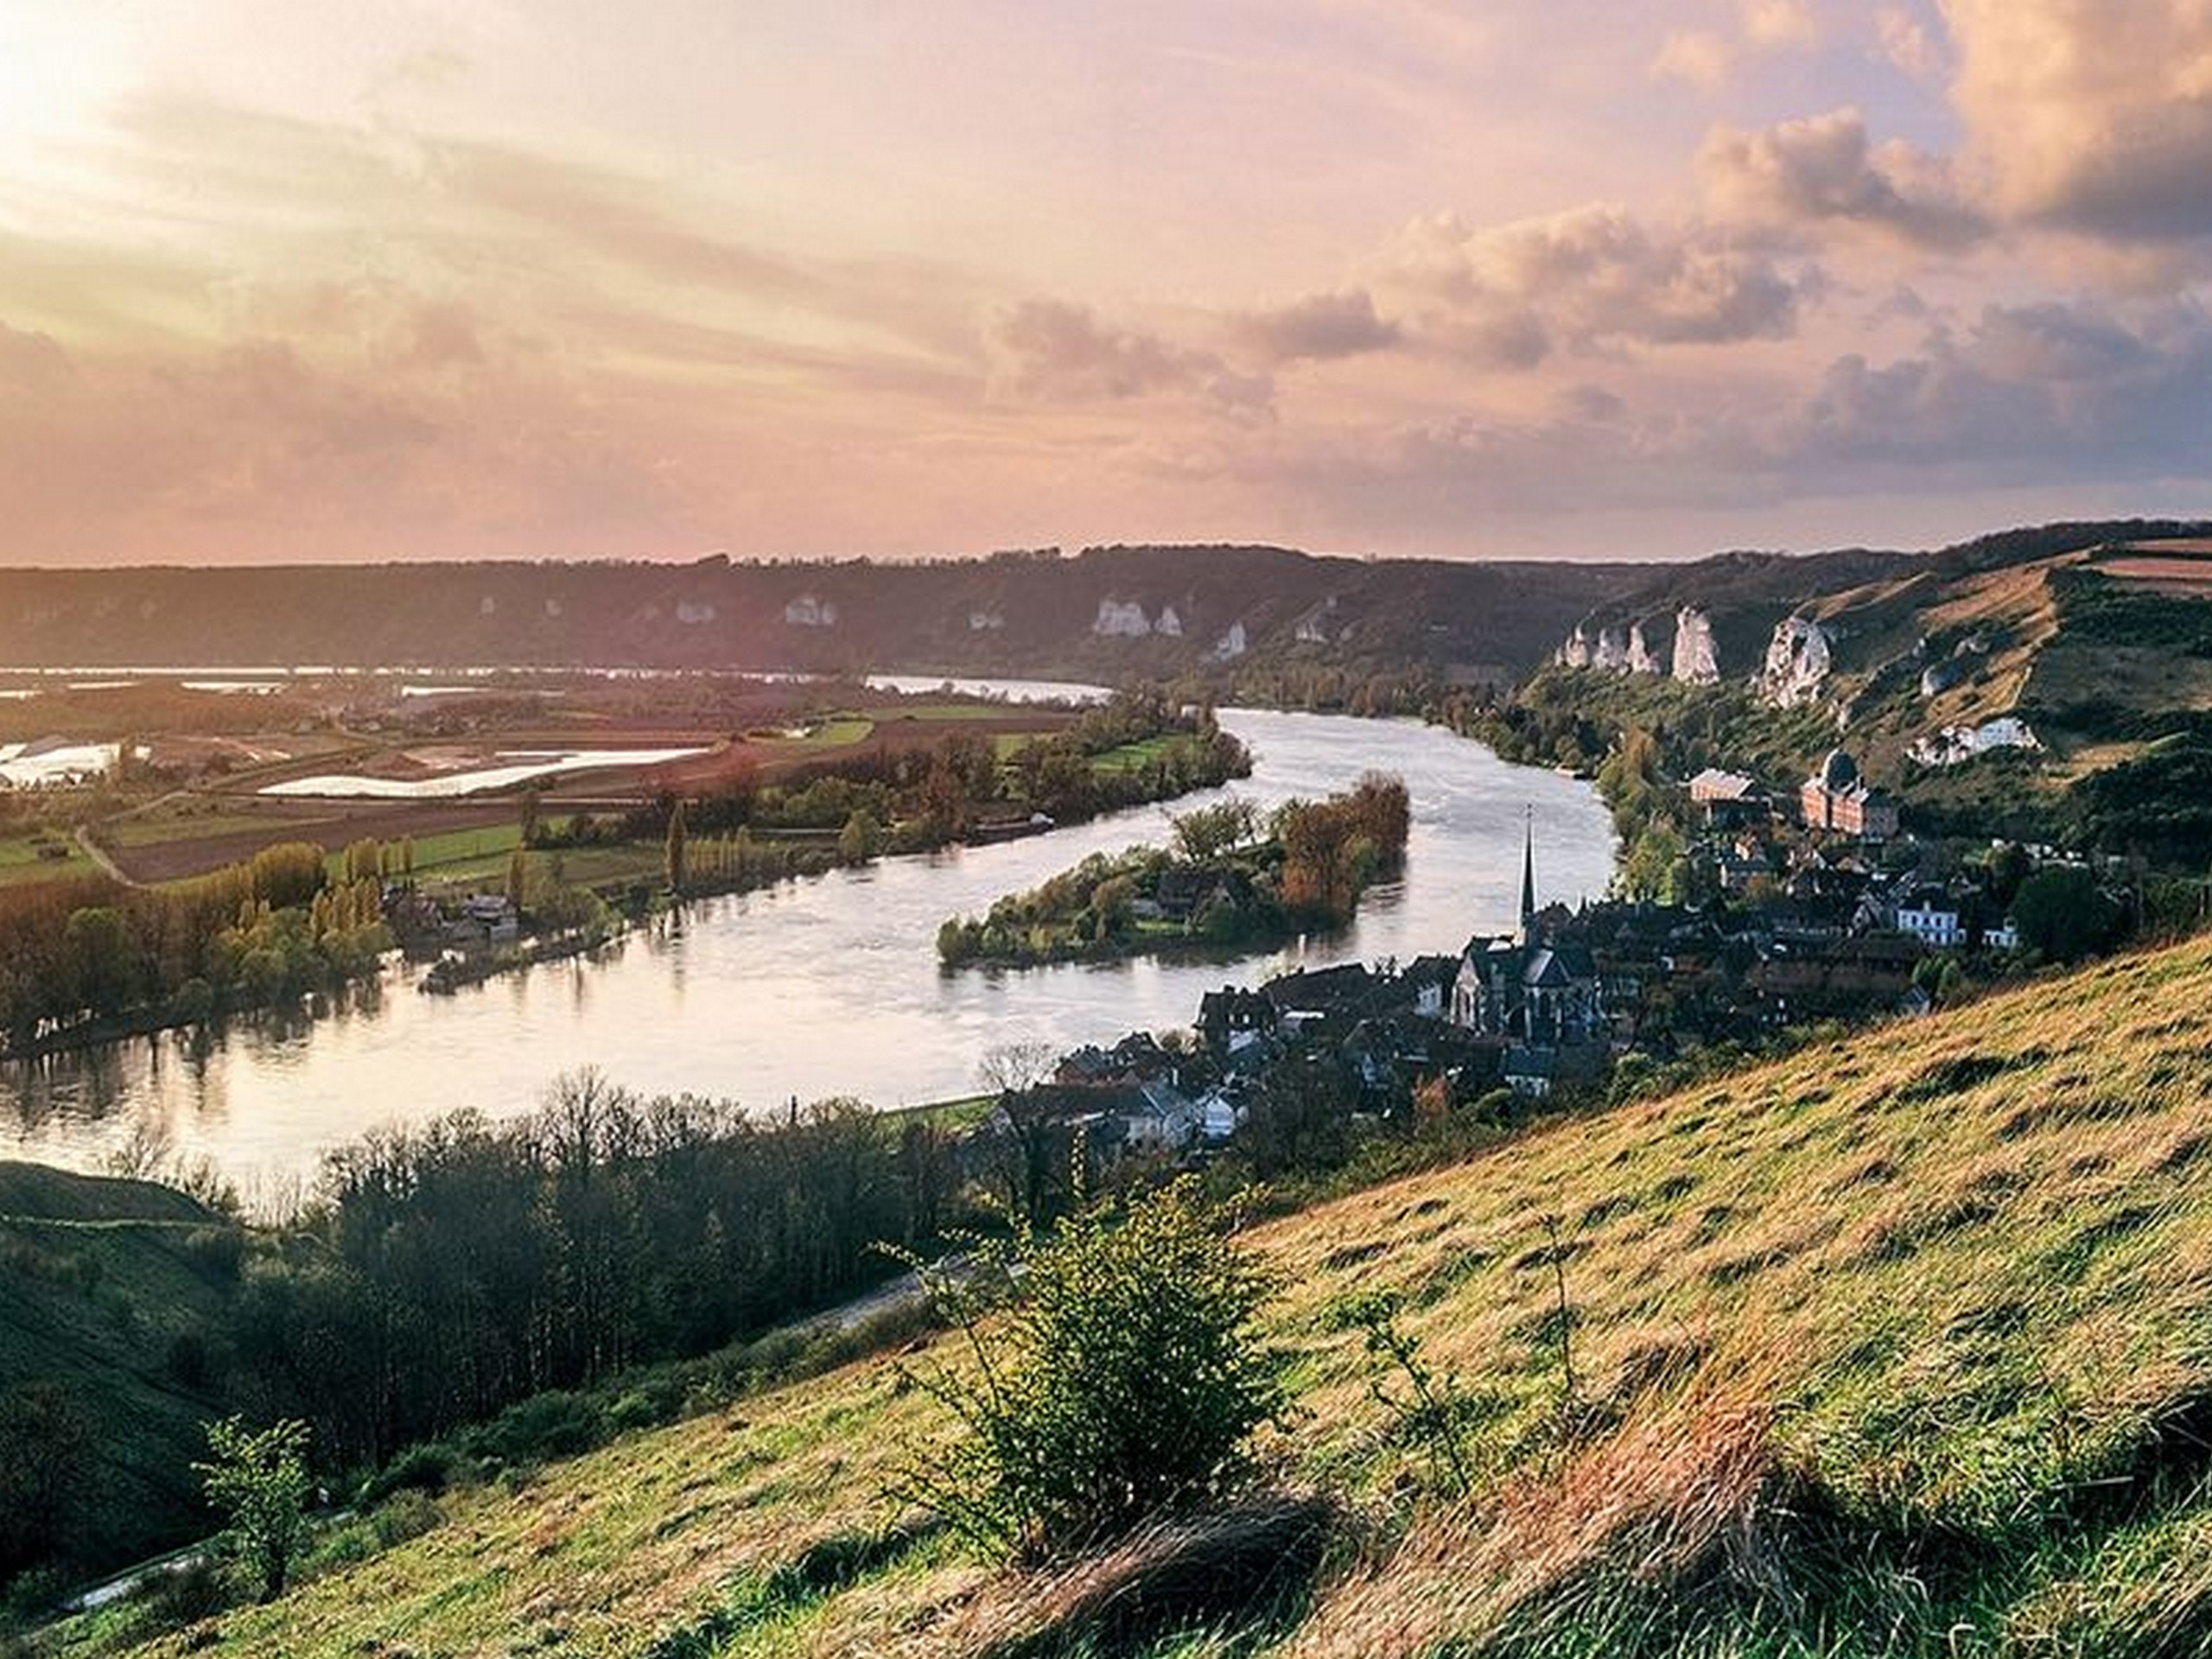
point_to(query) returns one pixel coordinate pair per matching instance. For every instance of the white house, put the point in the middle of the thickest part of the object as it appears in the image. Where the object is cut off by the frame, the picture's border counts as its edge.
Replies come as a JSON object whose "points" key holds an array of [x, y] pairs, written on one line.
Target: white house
{"points": [[1933, 918]]}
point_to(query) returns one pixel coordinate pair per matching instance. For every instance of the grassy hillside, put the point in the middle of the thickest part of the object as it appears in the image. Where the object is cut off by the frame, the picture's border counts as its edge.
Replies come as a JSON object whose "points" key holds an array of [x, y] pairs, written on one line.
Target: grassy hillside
{"points": [[118, 1292], [1902, 1345]]}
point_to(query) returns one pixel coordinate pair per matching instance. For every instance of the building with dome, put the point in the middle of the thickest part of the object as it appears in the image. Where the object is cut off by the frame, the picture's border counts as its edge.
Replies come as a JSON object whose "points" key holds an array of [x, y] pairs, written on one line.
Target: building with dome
{"points": [[1837, 799]]}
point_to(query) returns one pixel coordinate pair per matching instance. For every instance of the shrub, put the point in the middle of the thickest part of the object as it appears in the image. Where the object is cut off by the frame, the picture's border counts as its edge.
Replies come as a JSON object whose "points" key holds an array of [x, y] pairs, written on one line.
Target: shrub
{"points": [[260, 1482], [556, 1424], [1127, 1380], [429, 1466]]}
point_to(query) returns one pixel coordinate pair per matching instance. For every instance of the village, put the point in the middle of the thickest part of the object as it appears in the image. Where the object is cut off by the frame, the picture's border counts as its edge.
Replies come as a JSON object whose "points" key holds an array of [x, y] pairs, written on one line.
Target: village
{"points": [[1805, 907]]}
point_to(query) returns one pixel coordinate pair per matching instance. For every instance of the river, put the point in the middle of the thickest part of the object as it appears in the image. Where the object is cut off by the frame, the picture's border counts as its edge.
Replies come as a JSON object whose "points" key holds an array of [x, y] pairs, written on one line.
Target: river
{"points": [[824, 986]]}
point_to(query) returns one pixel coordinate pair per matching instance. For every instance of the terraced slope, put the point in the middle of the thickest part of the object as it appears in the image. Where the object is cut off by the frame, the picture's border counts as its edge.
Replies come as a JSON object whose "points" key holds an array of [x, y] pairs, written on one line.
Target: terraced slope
{"points": [[1901, 1346]]}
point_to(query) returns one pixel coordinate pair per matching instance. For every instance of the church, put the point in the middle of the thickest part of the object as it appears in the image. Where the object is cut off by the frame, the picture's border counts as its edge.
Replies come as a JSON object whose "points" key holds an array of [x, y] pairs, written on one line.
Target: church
{"points": [[1543, 997]]}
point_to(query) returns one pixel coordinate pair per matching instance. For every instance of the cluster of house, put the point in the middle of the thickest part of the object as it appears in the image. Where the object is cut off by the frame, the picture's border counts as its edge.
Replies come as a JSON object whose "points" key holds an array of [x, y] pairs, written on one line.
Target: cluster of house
{"points": [[1831, 933]]}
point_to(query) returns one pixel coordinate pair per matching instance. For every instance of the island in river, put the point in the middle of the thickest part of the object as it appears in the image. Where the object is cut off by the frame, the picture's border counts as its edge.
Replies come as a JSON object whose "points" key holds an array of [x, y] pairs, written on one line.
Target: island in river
{"points": [[1222, 885]]}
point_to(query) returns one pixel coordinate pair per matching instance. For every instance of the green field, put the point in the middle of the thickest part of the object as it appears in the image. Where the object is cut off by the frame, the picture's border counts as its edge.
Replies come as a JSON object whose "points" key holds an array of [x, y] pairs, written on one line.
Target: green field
{"points": [[154, 829], [20, 861], [1134, 757]]}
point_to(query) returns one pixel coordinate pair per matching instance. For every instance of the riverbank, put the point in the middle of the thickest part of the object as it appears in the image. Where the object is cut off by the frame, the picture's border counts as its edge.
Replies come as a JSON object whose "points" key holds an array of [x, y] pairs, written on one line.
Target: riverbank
{"points": [[816, 988], [1223, 887]]}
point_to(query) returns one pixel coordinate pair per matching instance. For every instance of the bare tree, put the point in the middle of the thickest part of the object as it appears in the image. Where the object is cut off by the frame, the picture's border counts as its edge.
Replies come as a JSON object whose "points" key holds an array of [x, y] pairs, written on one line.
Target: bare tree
{"points": [[1028, 1138]]}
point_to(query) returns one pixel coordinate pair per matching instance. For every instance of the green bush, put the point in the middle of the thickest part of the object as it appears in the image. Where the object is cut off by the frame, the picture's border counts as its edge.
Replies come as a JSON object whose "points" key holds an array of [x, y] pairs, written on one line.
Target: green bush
{"points": [[1127, 1380], [557, 1424]]}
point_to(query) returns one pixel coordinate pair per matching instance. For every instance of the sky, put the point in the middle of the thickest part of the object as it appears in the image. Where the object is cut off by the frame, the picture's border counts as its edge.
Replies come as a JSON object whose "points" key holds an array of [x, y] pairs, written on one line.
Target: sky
{"points": [[291, 280]]}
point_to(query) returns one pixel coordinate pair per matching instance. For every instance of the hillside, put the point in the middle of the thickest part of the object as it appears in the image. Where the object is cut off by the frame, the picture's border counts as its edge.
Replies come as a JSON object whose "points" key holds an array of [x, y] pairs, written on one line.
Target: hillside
{"points": [[118, 1293], [1107, 612], [1901, 1346]]}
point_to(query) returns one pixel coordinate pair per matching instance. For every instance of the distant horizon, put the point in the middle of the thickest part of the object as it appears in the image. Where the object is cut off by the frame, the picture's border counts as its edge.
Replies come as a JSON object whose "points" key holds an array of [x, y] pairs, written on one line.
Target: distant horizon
{"points": [[2200, 517]]}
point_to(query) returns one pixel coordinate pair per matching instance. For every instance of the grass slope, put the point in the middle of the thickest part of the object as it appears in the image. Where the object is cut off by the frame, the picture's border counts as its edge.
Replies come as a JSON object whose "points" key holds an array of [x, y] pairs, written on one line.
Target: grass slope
{"points": [[100, 1279], [1902, 1345]]}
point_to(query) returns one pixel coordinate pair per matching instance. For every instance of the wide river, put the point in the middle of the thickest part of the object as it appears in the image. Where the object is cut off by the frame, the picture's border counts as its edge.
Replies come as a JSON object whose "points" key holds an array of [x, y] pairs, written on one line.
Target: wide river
{"points": [[817, 987]]}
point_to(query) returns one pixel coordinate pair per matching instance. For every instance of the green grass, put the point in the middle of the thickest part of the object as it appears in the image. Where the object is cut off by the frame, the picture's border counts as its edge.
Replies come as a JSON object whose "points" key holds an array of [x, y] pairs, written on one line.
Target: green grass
{"points": [[455, 856], [950, 711], [838, 731], [98, 1280], [20, 860], [155, 830], [1134, 757], [954, 1114], [1900, 1346]]}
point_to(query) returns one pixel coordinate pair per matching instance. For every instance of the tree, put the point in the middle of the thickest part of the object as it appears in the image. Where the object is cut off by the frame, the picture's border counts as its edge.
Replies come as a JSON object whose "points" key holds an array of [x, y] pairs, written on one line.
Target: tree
{"points": [[1127, 1380], [530, 814], [861, 837], [260, 1482], [45, 1443], [676, 849], [1027, 1142], [1210, 831], [2064, 914]]}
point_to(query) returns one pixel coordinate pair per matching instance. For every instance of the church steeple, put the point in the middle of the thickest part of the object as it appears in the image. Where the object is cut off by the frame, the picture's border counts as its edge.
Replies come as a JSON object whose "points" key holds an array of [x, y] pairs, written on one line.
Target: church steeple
{"points": [[1528, 878]]}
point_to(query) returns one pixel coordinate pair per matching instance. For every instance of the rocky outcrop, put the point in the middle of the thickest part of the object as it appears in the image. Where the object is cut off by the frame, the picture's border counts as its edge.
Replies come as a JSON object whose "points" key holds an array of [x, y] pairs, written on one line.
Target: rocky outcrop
{"points": [[1232, 645], [1575, 653], [804, 612], [1798, 660], [1611, 652], [1123, 620], [1696, 660], [1640, 659]]}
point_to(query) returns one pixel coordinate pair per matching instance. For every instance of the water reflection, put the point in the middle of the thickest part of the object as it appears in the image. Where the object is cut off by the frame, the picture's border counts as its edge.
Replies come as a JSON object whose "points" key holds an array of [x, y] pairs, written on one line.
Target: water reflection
{"points": [[829, 986]]}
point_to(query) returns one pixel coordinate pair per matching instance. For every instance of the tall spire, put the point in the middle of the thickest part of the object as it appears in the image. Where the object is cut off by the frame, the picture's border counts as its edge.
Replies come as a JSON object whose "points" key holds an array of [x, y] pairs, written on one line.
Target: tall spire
{"points": [[1528, 878]]}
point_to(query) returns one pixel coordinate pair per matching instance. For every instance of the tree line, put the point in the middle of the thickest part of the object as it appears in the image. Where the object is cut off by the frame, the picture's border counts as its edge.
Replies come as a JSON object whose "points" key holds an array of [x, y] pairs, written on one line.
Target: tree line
{"points": [[91, 950], [446, 1270]]}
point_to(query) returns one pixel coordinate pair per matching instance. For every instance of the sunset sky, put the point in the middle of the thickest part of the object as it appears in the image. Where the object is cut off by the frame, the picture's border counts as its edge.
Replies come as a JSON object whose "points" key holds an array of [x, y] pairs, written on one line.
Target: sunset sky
{"points": [[289, 279]]}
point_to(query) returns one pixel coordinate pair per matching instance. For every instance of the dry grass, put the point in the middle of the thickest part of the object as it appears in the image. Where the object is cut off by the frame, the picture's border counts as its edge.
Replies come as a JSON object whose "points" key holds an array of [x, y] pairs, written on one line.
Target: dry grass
{"points": [[1902, 1345]]}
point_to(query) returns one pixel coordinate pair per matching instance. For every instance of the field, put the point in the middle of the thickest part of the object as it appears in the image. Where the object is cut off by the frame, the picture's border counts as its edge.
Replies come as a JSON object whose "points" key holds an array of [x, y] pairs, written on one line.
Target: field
{"points": [[22, 859], [203, 808], [1900, 1346]]}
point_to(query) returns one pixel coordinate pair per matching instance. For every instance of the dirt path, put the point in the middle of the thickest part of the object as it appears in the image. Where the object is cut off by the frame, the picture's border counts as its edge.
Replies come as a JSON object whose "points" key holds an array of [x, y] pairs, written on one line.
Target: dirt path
{"points": [[98, 855]]}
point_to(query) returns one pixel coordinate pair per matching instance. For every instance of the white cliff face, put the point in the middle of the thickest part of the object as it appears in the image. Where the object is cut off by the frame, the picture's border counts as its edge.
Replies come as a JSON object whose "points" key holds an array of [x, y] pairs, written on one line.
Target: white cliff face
{"points": [[1575, 653], [1169, 623], [1611, 652], [1640, 659], [1126, 621], [1232, 645], [693, 612], [1697, 660], [985, 622], [804, 612], [1798, 659]]}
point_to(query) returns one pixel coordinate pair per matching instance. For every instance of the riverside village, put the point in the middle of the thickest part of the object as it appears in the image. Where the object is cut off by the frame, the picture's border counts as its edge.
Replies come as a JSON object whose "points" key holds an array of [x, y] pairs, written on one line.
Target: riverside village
{"points": [[1809, 908]]}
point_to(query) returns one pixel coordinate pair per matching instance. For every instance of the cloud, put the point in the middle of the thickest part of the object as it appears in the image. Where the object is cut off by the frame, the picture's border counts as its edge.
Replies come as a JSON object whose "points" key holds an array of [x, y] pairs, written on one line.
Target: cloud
{"points": [[2046, 391], [1904, 41], [1708, 58], [1823, 170], [1055, 351], [1341, 324], [31, 362], [1596, 278], [1696, 57], [2091, 115]]}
